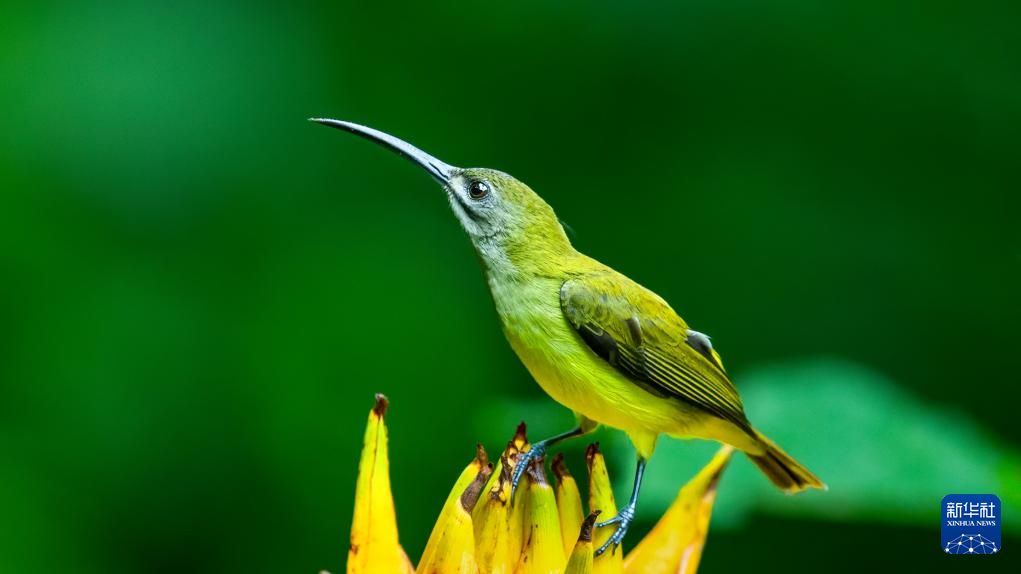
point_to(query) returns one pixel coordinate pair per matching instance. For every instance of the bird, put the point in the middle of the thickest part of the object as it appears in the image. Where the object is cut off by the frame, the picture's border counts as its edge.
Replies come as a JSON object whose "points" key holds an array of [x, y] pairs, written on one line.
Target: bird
{"points": [[596, 341]]}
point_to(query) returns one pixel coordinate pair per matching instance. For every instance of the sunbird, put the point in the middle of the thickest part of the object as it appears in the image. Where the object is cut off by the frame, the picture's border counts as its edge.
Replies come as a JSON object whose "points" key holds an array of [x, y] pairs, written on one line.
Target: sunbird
{"points": [[596, 341]]}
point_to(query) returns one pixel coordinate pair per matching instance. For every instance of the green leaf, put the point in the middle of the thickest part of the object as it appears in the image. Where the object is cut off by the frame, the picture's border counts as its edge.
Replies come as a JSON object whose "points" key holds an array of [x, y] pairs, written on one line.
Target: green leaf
{"points": [[886, 455]]}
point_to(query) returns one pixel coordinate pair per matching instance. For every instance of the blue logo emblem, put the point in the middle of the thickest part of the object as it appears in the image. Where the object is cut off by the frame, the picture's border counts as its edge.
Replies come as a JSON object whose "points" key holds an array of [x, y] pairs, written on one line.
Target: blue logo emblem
{"points": [[971, 524]]}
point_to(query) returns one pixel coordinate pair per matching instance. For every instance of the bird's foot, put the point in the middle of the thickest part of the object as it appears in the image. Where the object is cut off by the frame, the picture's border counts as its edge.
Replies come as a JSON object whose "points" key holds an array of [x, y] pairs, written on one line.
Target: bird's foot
{"points": [[536, 452], [623, 521]]}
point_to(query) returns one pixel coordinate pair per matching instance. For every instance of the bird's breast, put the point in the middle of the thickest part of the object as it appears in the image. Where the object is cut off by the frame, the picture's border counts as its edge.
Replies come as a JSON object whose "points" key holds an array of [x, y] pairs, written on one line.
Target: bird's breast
{"points": [[530, 311], [534, 324], [560, 362]]}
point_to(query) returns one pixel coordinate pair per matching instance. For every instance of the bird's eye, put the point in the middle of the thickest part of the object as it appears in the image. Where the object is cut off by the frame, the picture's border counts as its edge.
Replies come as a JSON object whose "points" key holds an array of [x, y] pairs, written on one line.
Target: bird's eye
{"points": [[478, 189]]}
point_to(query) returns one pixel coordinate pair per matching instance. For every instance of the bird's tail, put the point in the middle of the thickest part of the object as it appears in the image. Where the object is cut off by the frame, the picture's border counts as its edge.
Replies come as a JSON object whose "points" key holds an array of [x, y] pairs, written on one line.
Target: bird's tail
{"points": [[785, 472]]}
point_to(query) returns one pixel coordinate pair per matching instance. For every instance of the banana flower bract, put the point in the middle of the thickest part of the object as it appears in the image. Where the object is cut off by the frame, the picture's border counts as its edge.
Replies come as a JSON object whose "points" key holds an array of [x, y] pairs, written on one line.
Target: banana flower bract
{"points": [[544, 531]]}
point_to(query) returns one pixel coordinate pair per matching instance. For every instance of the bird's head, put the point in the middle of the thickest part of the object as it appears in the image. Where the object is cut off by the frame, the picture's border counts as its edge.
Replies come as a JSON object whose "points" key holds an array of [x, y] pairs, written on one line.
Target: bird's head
{"points": [[503, 216]]}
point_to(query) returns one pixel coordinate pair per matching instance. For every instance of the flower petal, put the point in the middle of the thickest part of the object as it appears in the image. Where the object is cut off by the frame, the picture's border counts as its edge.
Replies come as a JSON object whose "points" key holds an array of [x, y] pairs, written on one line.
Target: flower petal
{"points": [[374, 544], [601, 499], [674, 545]]}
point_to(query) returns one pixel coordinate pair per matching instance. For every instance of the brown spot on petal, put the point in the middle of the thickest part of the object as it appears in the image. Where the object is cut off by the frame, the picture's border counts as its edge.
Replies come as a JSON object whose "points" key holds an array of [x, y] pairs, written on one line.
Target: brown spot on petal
{"points": [[471, 494], [560, 467], [537, 471], [586, 527], [480, 454], [590, 453], [382, 403], [505, 469], [521, 435], [511, 451], [505, 477]]}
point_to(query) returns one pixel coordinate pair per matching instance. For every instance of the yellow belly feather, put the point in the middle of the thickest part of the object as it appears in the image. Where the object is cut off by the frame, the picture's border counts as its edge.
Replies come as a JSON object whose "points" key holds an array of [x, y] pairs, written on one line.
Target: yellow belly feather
{"points": [[575, 377]]}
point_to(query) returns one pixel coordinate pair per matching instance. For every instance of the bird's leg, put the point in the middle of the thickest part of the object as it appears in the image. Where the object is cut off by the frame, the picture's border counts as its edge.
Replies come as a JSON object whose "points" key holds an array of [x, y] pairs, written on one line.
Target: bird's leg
{"points": [[537, 450], [626, 514]]}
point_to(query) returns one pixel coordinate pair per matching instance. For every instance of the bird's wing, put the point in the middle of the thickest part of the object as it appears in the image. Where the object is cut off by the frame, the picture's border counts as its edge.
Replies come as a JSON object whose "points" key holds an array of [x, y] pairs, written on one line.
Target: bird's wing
{"points": [[638, 333]]}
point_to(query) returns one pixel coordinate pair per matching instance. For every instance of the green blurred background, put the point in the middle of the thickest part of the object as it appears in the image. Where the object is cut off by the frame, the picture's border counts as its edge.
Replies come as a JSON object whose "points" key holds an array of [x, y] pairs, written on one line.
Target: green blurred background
{"points": [[201, 291]]}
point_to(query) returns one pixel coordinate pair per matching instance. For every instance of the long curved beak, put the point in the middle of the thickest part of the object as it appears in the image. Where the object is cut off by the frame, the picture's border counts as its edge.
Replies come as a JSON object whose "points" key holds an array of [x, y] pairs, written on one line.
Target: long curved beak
{"points": [[436, 168]]}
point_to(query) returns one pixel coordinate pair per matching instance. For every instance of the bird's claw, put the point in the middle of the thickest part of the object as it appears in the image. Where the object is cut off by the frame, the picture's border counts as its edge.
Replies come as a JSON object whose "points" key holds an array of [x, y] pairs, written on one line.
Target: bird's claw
{"points": [[536, 452], [623, 520]]}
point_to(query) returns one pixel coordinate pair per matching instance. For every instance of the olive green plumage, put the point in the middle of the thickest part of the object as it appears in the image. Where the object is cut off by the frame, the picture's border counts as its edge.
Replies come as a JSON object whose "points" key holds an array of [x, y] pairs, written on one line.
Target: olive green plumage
{"points": [[639, 334], [597, 342]]}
